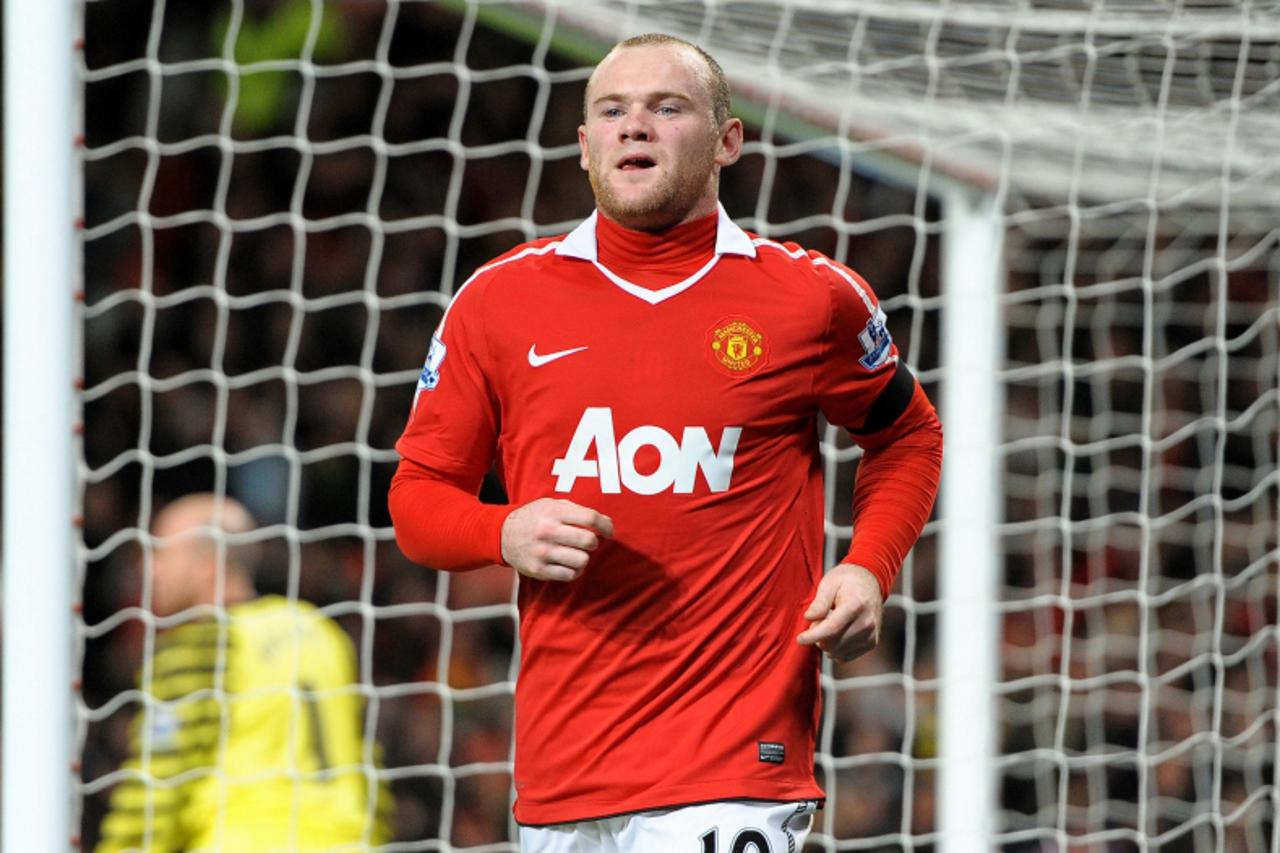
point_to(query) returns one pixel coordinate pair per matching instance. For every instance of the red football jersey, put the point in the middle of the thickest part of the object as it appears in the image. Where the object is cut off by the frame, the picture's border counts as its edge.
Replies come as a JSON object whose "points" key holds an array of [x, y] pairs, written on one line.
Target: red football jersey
{"points": [[669, 672]]}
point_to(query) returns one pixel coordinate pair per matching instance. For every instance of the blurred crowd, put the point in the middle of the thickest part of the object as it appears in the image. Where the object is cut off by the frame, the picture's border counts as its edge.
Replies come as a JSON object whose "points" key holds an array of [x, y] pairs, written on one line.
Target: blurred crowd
{"points": [[261, 283]]}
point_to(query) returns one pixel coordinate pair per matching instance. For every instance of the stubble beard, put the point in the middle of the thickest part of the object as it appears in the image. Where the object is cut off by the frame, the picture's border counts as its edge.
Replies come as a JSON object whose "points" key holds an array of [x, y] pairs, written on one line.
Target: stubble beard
{"points": [[664, 205]]}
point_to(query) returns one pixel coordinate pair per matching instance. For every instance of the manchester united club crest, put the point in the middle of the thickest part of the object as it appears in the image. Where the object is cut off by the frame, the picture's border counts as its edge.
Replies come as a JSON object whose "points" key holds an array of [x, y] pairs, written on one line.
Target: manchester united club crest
{"points": [[737, 346]]}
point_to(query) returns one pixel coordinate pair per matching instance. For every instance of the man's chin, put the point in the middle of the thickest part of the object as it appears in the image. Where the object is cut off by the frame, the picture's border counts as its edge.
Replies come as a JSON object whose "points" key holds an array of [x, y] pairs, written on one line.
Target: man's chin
{"points": [[648, 211], [643, 218], [637, 198]]}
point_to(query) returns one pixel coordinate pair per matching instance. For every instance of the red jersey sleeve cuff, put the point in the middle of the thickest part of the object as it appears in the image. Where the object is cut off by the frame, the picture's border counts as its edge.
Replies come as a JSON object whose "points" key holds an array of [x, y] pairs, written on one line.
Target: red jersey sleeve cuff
{"points": [[441, 525]]}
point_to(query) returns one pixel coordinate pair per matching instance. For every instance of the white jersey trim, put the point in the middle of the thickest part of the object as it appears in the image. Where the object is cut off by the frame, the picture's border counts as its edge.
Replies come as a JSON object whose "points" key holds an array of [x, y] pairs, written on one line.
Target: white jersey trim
{"points": [[821, 261], [653, 297], [532, 250], [581, 243]]}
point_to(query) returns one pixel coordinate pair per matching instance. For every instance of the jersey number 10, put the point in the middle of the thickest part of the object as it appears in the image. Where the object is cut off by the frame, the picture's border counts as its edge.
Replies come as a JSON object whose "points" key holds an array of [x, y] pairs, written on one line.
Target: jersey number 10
{"points": [[747, 840]]}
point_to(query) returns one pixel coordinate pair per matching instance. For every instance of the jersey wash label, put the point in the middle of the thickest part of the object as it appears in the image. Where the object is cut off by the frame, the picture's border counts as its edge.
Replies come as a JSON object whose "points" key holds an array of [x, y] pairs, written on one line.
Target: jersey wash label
{"points": [[614, 462]]}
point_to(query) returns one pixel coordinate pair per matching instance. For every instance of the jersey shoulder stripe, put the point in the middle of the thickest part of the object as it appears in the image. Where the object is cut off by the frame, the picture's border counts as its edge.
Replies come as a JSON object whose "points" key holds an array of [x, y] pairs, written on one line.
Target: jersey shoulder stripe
{"points": [[523, 252], [815, 259], [536, 248]]}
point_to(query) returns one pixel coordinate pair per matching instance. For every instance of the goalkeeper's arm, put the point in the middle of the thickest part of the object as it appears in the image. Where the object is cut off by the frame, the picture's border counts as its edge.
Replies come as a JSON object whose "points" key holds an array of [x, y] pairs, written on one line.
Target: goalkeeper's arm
{"points": [[145, 806]]}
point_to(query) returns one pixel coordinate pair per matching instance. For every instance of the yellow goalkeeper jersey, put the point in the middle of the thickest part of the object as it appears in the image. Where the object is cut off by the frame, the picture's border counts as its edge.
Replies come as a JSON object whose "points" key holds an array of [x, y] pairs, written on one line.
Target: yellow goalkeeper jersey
{"points": [[255, 741]]}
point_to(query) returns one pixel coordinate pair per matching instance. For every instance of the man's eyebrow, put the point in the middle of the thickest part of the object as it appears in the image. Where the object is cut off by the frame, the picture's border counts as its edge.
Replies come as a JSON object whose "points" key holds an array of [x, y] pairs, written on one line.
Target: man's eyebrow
{"points": [[651, 96]]}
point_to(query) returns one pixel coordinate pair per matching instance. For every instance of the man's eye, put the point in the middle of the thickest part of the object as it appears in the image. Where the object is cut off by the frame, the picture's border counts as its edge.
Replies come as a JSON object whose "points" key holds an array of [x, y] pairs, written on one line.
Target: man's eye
{"points": [[612, 112], [667, 110]]}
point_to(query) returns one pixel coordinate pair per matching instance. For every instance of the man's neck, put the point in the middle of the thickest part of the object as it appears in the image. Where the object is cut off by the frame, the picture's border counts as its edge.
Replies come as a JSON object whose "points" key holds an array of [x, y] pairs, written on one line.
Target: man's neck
{"points": [[656, 259]]}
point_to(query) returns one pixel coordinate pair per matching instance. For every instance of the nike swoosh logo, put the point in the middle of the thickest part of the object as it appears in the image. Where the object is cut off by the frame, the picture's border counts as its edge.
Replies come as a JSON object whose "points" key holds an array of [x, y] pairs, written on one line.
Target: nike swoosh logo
{"points": [[536, 360]]}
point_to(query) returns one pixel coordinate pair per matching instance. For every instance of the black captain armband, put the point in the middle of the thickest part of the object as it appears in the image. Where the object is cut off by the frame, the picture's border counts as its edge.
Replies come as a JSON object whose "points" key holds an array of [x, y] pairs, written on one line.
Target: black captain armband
{"points": [[891, 403]]}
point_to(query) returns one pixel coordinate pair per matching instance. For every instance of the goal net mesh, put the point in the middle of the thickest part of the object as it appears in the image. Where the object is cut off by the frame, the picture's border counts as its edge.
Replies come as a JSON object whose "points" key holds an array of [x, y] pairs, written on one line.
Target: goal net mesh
{"points": [[280, 197]]}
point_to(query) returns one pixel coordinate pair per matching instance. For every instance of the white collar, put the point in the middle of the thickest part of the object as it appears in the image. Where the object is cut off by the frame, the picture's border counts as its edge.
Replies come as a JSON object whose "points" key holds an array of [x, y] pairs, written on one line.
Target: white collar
{"points": [[730, 239]]}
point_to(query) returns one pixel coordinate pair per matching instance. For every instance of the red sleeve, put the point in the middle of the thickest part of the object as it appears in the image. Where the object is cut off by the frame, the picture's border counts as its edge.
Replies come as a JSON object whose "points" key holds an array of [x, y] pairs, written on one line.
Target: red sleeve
{"points": [[895, 489], [857, 357], [453, 426], [448, 446], [439, 521], [862, 384]]}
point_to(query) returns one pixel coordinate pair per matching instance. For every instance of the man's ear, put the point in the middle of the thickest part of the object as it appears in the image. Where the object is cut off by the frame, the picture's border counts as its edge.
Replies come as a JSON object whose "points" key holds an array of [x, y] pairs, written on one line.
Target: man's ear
{"points": [[729, 148], [207, 576], [583, 160]]}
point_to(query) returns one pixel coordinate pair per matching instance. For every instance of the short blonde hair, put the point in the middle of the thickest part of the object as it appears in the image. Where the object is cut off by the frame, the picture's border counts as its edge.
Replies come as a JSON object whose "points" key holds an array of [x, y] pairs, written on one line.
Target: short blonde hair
{"points": [[716, 82]]}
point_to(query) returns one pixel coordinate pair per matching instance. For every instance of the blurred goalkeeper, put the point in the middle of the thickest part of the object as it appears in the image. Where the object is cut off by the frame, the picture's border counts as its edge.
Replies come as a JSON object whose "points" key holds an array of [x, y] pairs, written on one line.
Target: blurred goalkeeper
{"points": [[649, 387], [254, 741]]}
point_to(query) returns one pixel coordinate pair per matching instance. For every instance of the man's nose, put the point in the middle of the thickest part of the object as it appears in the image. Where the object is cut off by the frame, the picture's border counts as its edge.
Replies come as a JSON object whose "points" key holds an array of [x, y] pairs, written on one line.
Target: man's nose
{"points": [[636, 126]]}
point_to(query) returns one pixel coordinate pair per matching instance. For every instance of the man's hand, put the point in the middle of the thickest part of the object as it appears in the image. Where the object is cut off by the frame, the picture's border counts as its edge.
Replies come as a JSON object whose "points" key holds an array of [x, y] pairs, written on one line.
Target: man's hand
{"points": [[551, 540], [845, 615]]}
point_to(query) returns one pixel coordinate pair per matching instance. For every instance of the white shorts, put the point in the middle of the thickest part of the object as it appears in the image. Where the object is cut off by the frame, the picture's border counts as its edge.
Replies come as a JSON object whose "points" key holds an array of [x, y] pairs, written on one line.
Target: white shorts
{"points": [[734, 826]]}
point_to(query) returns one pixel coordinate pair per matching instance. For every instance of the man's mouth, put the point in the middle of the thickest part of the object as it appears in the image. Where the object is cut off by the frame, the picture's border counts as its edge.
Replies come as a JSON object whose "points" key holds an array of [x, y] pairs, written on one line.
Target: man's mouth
{"points": [[636, 162]]}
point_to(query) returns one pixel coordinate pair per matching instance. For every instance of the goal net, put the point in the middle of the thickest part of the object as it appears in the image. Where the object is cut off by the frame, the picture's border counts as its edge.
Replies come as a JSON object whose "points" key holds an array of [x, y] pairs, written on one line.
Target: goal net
{"points": [[281, 196]]}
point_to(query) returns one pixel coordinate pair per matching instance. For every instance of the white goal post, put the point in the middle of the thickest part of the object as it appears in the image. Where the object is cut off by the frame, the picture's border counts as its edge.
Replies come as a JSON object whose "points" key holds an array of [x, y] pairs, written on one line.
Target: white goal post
{"points": [[40, 282], [1069, 209]]}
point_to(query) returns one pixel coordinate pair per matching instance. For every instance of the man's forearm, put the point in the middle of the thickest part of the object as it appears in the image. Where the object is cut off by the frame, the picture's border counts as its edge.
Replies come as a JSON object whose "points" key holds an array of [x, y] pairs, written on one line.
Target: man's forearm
{"points": [[895, 490], [440, 524]]}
